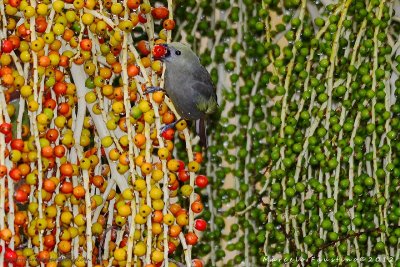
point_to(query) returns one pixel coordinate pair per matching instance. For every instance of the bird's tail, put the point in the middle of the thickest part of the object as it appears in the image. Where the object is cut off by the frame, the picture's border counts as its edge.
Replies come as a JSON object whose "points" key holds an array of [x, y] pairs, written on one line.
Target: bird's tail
{"points": [[201, 131]]}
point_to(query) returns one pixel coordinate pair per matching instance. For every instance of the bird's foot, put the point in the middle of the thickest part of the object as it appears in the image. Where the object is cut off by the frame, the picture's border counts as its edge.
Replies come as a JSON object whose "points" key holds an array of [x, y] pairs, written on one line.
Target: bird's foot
{"points": [[153, 89], [169, 126]]}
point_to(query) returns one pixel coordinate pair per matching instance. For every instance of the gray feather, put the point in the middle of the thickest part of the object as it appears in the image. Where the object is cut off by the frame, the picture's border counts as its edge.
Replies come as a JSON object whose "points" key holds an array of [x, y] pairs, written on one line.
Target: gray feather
{"points": [[189, 85]]}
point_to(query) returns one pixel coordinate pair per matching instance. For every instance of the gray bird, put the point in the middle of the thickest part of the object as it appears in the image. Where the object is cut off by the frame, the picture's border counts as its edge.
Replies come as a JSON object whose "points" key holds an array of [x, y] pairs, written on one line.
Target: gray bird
{"points": [[189, 86]]}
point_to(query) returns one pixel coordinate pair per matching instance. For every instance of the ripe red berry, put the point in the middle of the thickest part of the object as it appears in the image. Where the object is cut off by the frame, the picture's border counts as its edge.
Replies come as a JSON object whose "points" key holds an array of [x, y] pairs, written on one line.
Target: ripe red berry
{"points": [[10, 256], [15, 174], [142, 18], [201, 181], [86, 44], [200, 225], [21, 196], [160, 12], [168, 134], [7, 46], [181, 165], [191, 238], [171, 247], [143, 47], [183, 176], [60, 88], [159, 51], [14, 3], [5, 128], [17, 144], [8, 137]]}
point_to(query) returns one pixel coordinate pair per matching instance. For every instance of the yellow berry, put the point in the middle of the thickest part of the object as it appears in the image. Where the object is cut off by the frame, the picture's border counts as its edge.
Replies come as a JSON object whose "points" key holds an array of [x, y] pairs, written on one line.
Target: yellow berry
{"points": [[107, 141], [173, 165], [149, 116], [126, 25], [156, 193], [157, 175], [124, 210], [182, 220], [119, 220], [41, 223], [80, 220], [41, 9], [139, 219], [29, 12], [58, 29], [157, 204], [139, 184], [79, 4], [140, 249], [87, 18], [25, 56], [90, 97], [97, 228], [119, 253], [193, 166], [127, 194], [144, 106], [157, 256], [58, 6], [186, 190], [169, 219], [146, 168], [70, 15], [144, 210]]}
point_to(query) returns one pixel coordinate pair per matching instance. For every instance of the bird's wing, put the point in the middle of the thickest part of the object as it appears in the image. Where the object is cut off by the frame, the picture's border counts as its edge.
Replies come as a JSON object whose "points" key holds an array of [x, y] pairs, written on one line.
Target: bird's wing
{"points": [[203, 86], [205, 97]]}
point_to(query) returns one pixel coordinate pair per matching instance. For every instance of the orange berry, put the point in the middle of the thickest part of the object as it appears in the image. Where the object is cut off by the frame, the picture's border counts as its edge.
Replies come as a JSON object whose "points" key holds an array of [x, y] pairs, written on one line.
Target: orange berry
{"points": [[79, 191], [64, 246], [132, 70]]}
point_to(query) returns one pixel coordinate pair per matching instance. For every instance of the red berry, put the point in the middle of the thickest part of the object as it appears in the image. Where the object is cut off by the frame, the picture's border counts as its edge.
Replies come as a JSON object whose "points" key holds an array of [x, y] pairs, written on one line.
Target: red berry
{"points": [[10, 255], [201, 181], [160, 12], [143, 47], [86, 45], [168, 134], [174, 185], [8, 137], [191, 238], [5, 128], [200, 224], [159, 51], [181, 165], [171, 247], [7, 46], [14, 3], [183, 176], [17, 144], [142, 18], [15, 174], [21, 196], [60, 88]]}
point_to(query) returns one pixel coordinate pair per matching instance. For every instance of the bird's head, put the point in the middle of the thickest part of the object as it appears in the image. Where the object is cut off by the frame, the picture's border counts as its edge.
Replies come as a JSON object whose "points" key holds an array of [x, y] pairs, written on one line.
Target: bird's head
{"points": [[173, 52]]}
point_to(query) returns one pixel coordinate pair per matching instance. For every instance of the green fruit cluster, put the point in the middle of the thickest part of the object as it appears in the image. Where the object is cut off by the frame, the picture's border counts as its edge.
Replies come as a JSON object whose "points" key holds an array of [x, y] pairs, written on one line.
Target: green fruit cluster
{"points": [[304, 153]]}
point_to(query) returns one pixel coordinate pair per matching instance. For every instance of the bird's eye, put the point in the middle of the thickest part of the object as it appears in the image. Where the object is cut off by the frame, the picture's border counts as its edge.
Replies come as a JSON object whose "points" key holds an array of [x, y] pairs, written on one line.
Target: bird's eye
{"points": [[177, 52]]}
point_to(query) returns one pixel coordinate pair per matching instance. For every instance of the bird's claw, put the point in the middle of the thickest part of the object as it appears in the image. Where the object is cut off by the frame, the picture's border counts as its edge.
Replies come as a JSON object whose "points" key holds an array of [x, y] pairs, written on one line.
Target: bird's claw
{"points": [[152, 89], [167, 127]]}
